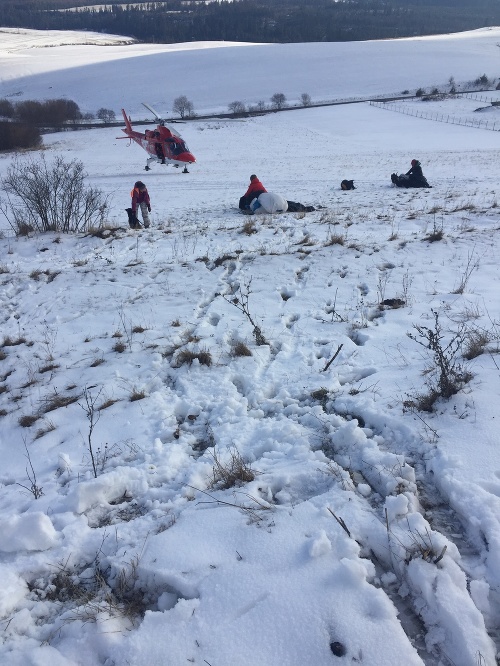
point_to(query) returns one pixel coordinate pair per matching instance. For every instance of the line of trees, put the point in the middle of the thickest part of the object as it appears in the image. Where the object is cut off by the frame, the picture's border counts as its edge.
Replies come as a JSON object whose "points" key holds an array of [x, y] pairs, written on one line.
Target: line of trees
{"points": [[21, 122], [259, 20]]}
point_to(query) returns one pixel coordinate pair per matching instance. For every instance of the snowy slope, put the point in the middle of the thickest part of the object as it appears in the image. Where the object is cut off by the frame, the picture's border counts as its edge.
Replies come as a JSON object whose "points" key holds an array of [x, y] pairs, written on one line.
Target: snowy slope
{"points": [[370, 532], [216, 73]]}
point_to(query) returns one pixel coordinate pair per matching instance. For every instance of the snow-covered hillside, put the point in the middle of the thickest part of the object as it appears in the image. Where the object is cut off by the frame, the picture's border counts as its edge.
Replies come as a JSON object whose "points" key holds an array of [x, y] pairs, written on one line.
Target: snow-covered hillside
{"points": [[360, 530], [214, 74]]}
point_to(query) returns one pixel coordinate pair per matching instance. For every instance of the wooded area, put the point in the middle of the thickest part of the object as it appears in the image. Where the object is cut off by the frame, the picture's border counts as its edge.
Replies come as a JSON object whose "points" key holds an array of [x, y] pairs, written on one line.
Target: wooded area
{"points": [[258, 20]]}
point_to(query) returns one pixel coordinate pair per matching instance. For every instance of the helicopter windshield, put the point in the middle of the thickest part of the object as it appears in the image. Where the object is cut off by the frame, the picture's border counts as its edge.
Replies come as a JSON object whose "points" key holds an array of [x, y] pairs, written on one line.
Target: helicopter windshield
{"points": [[177, 146]]}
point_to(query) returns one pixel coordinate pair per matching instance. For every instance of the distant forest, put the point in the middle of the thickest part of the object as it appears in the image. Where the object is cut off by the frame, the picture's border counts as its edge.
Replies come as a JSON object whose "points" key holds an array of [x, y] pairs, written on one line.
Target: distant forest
{"points": [[258, 20]]}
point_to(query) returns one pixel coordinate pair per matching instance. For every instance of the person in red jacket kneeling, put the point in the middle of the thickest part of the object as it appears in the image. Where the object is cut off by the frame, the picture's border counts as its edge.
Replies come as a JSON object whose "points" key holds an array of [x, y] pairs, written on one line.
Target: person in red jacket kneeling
{"points": [[255, 188], [140, 199]]}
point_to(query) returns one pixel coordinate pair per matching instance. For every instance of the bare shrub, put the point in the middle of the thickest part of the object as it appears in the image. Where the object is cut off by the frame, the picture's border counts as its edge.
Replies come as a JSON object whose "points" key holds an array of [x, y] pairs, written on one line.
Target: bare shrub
{"points": [[447, 373], [89, 406], [119, 347], [44, 196], [240, 300], [471, 265], [234, 471], [33, 487]]}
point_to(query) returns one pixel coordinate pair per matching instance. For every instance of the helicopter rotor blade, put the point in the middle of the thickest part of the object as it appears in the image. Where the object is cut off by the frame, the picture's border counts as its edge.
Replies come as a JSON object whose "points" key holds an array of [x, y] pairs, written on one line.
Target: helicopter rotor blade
{"points": [[150, 108]]}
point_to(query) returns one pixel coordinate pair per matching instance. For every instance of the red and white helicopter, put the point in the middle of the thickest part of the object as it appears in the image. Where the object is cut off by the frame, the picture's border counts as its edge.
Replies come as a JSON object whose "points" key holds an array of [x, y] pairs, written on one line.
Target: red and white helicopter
{"points": [[163, 145]]}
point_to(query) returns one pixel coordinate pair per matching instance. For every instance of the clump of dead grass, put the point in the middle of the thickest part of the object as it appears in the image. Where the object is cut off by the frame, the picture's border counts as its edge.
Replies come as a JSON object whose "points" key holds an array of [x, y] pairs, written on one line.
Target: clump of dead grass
{"points": [[234, 471], [187, 356]]}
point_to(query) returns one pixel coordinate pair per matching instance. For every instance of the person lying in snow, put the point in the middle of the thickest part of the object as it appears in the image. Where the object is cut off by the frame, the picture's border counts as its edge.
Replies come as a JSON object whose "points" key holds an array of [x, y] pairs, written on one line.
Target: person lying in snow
{"points": [[412, 178], [268, 202]]}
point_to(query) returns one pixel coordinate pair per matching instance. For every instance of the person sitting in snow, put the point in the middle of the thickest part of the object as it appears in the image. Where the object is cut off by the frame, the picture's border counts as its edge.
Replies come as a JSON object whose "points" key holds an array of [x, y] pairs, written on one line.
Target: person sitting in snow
{"points": [[140, 199], [254, 190], [412, 178]]}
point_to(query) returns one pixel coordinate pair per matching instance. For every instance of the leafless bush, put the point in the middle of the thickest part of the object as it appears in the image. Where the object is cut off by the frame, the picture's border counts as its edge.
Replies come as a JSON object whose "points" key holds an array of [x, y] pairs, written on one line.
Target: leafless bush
{"points": [[447, 373], [234, 471], [471, 265], [89, 406], [33, 487], [240, 299], [44, 196]]}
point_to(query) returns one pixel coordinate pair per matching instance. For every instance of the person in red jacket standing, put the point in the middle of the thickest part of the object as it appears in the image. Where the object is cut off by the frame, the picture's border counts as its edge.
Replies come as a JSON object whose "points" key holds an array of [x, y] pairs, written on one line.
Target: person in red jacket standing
{"points": [[140, 199], [255, 188]]}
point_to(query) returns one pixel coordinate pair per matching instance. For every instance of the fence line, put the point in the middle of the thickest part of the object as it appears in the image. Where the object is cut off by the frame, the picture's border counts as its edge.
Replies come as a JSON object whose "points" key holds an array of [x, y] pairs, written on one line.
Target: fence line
{"points": [[440, 117]]}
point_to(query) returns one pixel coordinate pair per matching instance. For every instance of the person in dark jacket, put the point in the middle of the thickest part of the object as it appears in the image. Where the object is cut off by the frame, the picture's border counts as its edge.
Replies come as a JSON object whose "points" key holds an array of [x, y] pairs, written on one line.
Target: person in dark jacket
{"points": [[412, 178], [416, 175], [140, 199], [254, 190]]}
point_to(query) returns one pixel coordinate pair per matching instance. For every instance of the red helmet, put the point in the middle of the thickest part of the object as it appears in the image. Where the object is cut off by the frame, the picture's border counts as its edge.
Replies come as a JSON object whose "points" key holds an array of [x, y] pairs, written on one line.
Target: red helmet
{"points": [[414, 162]]}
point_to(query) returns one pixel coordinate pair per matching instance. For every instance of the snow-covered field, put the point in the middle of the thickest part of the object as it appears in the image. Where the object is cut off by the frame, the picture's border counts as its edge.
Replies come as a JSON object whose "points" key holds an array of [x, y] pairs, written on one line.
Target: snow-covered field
{"points": [[370, 531]]}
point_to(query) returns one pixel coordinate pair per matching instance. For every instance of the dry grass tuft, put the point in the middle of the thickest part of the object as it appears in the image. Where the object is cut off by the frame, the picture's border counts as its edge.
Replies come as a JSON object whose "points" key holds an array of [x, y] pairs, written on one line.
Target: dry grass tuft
{"points": [[239, 348], [475, 343], [28, 420], [335, 239], [234, 472], [13, 342], [203, 356], [249, 228], [55, 401], [119, 347], [106, 404], [137, 395]]}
